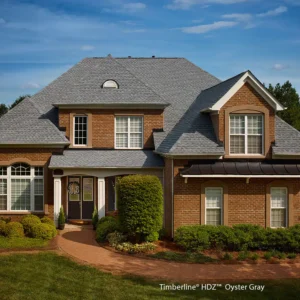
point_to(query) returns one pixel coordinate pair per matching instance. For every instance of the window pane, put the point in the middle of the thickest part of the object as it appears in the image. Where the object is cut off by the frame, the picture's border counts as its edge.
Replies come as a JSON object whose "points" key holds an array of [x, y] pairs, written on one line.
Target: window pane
{"points": [[255, 144], [278, 197], [20, 170], [254, 124], [38, 171], [20, 194], [87, 189], [136, 124], [237, 124], [3, 194], [213, 217], [80, 130], [122, 124], [38, 203], [136, 140], [74, 189], [3, 171], [237, 144], [278, 218], [213, 197], [121, 140]]}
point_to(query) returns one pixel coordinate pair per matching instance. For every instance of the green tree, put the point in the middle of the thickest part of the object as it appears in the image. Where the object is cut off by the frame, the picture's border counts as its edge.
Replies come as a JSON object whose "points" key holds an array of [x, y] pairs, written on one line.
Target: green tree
{"points": [[18, 100], [288, 97], [3, 109]]}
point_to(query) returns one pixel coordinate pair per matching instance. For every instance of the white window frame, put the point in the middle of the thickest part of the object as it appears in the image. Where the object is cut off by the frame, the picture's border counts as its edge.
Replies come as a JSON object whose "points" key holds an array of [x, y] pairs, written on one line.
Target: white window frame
{"points": [[87, 130], [32, 177], [128, 133], [221, 207], [286, 206], [110, 84], [246, 135]]}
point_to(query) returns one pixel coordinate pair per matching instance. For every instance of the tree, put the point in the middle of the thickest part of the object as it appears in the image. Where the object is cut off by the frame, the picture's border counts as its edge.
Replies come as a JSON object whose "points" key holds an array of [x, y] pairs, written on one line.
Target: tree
{"points": [[18, 100], [3, 109], [288, 97]]}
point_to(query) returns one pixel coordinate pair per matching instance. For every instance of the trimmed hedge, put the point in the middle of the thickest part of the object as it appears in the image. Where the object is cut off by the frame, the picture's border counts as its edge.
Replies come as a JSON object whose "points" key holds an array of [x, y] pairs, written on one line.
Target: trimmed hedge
{"points": [[47, 220], [29, 222], [105, 226], [238, 237], [43, 231], [14, 229], [140, 206]]}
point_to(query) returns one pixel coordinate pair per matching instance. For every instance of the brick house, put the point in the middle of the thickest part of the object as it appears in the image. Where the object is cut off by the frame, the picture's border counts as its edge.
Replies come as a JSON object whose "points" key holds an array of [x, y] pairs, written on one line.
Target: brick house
{"points": [[222, 154]]}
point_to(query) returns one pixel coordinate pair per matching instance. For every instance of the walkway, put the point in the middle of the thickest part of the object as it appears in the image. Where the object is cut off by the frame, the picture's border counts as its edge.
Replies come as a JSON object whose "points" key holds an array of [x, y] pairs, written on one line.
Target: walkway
{"points": [[81, 245]]}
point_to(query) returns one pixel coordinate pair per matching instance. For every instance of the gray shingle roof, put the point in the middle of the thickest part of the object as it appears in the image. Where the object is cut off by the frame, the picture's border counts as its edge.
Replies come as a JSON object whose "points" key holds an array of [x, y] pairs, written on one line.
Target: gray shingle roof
{"points": [[25, 124], [287, 138], [84, 158]]}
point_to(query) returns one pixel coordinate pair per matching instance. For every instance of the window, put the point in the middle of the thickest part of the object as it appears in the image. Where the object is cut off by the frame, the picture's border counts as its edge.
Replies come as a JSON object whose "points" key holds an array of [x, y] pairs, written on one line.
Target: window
{"points": [[213, 206], [80, 130], [21, 188], [278, 206], [129, 132], [111, 84], [246, 134]]}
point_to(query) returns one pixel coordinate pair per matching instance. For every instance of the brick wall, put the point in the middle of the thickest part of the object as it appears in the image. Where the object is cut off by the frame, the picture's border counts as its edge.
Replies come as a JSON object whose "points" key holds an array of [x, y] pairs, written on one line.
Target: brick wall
{"points": [[103, 125], [246, 202]]}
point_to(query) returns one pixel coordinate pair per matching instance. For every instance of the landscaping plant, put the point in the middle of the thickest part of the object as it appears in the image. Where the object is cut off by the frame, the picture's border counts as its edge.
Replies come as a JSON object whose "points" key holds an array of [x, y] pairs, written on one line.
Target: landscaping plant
{"points": [[14, 229], [61, 219], [43, 231], [95, 218], [29, 222], [47, 220], [105, 226], [2, 227], [140, 206]]}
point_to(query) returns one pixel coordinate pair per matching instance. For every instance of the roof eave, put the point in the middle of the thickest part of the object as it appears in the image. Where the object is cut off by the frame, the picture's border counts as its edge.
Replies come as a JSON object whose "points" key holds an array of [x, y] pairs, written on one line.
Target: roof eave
{"points": [[33, 145], [112, 105]]}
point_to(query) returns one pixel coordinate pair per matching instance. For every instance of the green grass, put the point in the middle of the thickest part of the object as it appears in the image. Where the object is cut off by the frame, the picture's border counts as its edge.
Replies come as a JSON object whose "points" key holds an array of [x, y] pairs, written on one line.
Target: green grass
{"points": [[13, 243], [49, 276], [188, 257]]}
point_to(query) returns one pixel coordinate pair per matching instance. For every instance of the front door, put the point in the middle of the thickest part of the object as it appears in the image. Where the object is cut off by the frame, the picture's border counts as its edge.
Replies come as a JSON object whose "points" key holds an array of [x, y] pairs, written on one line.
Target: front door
{"points": [[81, 198]]}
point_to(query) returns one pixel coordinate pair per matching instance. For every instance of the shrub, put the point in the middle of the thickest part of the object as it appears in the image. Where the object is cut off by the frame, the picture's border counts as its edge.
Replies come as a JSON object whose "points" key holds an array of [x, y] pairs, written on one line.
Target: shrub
{"points": [[227, 256], [2, 227], [192, 238], [135, 248], [61, 217], [152, 237], [140, 205], [29, 222], [291, 255], [14, 229], [256, 234], [95, 218], [47, 220], [43, 231], [268, 255], [116, 238], [106, 219], [105, 227], [255, 256], [243, 255], [6, 220]]}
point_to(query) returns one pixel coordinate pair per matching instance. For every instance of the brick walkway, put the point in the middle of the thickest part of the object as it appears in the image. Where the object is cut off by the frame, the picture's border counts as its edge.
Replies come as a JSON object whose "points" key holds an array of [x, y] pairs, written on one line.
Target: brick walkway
{"points": [[81, 245]]}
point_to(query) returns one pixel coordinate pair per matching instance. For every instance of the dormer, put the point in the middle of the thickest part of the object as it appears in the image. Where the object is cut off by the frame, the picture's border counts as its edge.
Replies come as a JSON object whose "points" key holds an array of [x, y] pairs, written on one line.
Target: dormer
{"points": [[243, 113]]}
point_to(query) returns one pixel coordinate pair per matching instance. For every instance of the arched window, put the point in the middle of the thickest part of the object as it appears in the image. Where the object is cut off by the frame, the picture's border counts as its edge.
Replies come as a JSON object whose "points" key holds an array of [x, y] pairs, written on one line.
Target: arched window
{"points": [[110, 84], [20, 169]]}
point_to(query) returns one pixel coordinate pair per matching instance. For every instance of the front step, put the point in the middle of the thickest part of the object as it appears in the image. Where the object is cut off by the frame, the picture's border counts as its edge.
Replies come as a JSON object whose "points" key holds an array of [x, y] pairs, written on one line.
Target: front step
{"points": [[80, 222]]}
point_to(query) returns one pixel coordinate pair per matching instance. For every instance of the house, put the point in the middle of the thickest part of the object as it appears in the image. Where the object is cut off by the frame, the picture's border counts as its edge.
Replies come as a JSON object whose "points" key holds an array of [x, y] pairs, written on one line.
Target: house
{"points": [[222, 154]]}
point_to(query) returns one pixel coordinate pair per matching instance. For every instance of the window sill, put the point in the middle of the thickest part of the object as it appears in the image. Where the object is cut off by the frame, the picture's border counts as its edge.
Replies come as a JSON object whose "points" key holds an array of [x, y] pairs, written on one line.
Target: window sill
{"points": [[244, 156], [23, 212]]}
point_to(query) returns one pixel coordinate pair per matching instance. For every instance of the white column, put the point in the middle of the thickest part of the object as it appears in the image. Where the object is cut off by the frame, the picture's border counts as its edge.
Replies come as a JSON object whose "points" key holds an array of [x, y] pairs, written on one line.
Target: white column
{"points": [[57, 198], [101, 197]]}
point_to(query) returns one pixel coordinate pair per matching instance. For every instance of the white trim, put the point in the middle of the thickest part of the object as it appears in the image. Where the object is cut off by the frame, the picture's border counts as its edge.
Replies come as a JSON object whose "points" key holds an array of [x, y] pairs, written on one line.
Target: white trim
{"points": [[87, 130], [101, 197], [240, 176], [286, 207], [221, 207], [249, 78], [57, 198]]}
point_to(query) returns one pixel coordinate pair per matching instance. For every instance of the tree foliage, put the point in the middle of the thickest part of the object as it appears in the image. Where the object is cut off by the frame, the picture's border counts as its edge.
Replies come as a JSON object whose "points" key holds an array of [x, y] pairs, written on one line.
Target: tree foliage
{"points": [[288, 97], [3, 109]]}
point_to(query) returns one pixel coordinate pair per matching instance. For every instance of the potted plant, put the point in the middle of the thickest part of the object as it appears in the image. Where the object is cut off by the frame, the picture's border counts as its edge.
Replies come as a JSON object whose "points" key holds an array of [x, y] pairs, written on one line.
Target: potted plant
{"points": [[61, 219], [95, 218]]}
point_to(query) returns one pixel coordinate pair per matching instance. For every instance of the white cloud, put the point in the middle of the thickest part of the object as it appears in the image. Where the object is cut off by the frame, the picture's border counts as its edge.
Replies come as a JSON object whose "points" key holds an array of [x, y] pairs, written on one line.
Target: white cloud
{"points": [[208, 27], [31, 85], [187, 4], [279, 67], [87, 48], [275, 12], [238, 17]]}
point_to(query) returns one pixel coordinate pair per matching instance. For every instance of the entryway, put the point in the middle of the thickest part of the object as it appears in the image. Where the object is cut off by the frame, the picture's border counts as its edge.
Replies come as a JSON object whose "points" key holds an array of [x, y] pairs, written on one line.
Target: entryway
{"points": [[80, 197]]}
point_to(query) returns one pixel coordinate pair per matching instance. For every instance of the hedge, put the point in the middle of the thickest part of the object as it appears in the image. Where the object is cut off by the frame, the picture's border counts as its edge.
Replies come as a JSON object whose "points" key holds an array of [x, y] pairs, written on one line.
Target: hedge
{"points": [[47, 220], [29, 222], [105, 226], [238, 237], [140, 206], [43, 231], [14, 229]]}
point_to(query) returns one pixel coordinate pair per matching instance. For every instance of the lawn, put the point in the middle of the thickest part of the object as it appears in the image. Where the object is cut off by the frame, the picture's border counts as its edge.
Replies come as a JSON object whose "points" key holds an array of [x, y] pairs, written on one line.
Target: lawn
{"points": [[49, 276], [13, 243]]}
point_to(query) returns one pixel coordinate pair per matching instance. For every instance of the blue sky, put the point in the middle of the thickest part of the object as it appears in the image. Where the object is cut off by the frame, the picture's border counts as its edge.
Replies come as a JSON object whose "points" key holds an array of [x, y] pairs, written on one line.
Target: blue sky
{"points": [[42, 39]]}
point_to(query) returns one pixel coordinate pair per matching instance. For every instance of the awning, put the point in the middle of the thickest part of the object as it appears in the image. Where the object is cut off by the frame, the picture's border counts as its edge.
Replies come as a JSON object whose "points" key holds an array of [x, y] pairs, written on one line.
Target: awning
{"points": [[242, 170]]}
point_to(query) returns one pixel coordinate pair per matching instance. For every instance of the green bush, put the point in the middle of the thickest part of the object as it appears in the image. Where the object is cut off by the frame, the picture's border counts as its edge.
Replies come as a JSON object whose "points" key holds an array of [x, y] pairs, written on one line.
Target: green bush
{"points": [[105, 227], [268, 255], [106, 219], [47, 220], [6, 220], [14, 229], [227, 256], [254, 256], [291, 255], [152, 237], [140, 205], [192, 238], [2, 227], [43, 231], [61, 217], [243, 255], [135, 248], [95, 218], [29, 222], [115, 238]]}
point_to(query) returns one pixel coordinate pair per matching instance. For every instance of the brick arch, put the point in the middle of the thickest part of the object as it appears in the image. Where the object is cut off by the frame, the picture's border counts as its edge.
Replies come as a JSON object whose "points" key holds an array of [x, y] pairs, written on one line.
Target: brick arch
{"points": [[22, 160]]}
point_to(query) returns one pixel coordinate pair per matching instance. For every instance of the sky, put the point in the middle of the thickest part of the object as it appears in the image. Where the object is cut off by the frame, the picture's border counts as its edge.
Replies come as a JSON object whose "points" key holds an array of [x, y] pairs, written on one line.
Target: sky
{"points": [[39, 39]]}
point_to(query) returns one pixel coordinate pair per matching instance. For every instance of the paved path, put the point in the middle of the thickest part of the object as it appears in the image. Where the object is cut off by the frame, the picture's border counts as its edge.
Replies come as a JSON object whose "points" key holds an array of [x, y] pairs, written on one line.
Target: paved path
{"points": [[81, 245]]}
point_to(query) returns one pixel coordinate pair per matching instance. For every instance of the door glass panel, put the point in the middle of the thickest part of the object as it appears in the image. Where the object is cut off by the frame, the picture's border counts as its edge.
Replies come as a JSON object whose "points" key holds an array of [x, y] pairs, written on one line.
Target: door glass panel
{"points": [[74, 189], [87, 185]]}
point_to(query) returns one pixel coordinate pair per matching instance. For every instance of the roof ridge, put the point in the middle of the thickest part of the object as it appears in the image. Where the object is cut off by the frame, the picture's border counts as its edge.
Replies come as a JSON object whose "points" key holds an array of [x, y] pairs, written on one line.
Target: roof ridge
{"points": [[139, 79]]}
